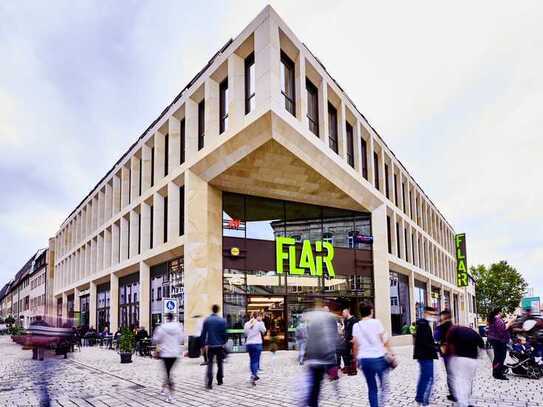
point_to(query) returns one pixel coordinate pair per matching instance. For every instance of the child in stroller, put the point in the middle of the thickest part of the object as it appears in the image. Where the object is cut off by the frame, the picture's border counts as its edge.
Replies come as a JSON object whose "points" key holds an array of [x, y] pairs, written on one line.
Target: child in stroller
{"points": [[526, 350]]}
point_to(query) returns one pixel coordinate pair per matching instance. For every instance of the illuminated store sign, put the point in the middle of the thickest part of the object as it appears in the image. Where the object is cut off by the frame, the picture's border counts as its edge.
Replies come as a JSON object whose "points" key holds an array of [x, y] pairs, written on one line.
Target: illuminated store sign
{"points": [[461, 261], [309, 260]]}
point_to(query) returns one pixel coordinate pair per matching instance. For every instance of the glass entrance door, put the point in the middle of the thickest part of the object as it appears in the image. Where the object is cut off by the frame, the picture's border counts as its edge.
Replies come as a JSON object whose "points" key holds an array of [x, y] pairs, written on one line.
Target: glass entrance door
{"points": [[273, 314]]}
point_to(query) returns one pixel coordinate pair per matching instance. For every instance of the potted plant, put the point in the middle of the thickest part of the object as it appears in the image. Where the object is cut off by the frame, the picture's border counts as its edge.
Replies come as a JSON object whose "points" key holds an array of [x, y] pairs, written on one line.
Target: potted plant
{"points": [[126, 345]]}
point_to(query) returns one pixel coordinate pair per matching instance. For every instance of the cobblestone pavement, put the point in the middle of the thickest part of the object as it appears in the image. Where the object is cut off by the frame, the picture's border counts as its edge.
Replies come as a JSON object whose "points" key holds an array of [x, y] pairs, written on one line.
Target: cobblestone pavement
{"points": [[94, 377]]}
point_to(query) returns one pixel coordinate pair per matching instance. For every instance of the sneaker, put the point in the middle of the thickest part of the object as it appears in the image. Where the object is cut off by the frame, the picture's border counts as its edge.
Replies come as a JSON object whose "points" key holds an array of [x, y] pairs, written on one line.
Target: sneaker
{"points": [[169, 399], [219, 382], [253, 380], [450, 397], [257, 378]]}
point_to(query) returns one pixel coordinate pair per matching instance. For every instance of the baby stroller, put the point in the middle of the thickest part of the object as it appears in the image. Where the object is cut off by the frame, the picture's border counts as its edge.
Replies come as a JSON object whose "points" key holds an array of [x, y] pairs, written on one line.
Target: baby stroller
{"points": [[526, 353]]}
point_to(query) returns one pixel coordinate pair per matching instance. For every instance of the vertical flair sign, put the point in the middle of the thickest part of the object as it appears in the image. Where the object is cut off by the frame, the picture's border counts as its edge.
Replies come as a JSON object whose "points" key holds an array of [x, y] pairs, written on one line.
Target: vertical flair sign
{"points": [[461, 261]]}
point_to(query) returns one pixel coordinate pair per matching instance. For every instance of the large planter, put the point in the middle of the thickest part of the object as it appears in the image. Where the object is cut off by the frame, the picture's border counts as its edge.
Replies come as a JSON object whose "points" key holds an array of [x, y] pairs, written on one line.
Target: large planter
{"points": [[126, 357]]}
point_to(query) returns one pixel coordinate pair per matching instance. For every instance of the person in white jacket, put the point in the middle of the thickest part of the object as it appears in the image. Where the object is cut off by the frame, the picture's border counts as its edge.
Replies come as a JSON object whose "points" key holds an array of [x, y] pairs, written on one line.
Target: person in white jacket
{"points": [[169, 337], [254, 329]]}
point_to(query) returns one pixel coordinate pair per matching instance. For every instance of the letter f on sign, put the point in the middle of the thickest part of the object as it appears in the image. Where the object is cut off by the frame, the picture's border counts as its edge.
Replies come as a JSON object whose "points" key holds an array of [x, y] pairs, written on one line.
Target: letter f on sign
{"points": [[280, 255]]}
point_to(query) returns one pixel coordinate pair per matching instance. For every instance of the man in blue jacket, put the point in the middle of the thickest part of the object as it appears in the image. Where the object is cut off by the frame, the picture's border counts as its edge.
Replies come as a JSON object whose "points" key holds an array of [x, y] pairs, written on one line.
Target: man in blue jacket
{"points": [[213, 339], [425, 353]]}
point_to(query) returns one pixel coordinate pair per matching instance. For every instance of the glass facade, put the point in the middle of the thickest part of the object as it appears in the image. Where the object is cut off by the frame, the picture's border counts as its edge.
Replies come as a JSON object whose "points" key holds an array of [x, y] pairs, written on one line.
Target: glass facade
{"points": [[84, 304], [167, 281], [399, 303], [102, 306], [129, 301], [421, 299], [251, 281]]}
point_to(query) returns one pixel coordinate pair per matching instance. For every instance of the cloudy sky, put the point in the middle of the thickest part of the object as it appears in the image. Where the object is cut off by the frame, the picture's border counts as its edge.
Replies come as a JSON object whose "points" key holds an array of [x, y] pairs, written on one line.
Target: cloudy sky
{"points": [[455, 90]]}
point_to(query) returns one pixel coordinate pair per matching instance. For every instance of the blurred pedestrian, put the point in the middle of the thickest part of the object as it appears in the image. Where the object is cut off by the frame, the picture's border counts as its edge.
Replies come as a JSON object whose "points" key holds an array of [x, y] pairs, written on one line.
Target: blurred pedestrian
{"points": [[440, 337], [425, 352], [169, 337], [498, 337], [370, 346], [254, 329], [462, 348], [300, 335], [213, 340], [348, 322], [320, 350]]}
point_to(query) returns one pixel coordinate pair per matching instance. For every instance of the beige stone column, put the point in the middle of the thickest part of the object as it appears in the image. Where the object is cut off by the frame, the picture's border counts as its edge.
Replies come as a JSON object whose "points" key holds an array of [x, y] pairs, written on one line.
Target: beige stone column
{"points": [[116, 194], [158, 220], [342, 131], [145, 301], [125, 184], [323, 111], [174, 131], [173, 211], [134, 228], [64, 306], [191, 127], [371, 171], [100, 253], [124, 239], [211, 114], [100, 202], [203, 248], [135, 177], [77, 302], [92, 304], [109, 201], [393, 235], [380, 267], [357, 147], [301, 91], [146, 167], [267, 66], [115, 247], [107, 248], [114, 303], [145, 227], [160, 149], [236, 91]]}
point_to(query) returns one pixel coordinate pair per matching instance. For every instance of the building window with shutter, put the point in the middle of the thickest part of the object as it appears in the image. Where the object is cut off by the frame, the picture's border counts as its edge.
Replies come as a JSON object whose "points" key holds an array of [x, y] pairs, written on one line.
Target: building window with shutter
{"points": [[287, 83], [312, 107]]}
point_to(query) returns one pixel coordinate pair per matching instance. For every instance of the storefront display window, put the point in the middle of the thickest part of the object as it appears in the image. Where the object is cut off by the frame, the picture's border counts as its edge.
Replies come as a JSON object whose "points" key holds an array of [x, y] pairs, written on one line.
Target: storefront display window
{"points": [[421, 299], [84, 303], [446, 300], [399, 303], [129, 301], [167, 281], [102, 306], [436, 299], [253, 282]]}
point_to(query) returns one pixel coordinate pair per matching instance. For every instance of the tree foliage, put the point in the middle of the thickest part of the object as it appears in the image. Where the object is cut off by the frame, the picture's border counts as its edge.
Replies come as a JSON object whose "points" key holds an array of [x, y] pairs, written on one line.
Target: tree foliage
{"points": [[498, 286]]}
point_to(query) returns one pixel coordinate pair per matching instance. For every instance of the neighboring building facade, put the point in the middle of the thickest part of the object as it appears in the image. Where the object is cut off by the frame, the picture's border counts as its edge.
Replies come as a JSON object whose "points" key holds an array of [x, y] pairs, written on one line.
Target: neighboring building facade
{"points": [[260, 187]]}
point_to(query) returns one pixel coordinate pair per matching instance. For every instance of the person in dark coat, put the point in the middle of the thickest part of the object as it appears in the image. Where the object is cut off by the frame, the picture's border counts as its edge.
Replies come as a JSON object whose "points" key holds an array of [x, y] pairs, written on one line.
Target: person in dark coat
{"points": [[348, 323], [214, 338], [425, 353], [440, 336]]}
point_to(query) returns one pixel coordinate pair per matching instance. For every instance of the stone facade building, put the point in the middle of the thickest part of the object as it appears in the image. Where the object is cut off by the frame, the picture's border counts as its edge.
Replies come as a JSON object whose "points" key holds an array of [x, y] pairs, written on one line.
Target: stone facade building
{"points": [[262, 144]]}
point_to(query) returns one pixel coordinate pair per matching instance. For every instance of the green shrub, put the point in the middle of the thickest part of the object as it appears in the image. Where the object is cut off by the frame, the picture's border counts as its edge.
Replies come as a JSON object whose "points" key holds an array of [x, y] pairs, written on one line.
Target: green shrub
{"points": [[127, 341]]}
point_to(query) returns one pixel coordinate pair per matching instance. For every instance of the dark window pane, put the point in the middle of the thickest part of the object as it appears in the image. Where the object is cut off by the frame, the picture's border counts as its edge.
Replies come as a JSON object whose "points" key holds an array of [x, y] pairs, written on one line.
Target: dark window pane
{"points": [[249, 83], [312, 107], [332, 128], [201, 124], [376, 169], [223, 106], [387, 183], [350, 144], [182, 142], [181, 210], [287, 83], [364, 158]]}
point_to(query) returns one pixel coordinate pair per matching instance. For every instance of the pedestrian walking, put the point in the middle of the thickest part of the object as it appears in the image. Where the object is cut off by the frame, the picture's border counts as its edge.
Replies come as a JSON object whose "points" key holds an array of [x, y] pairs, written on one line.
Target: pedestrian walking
{"points": [[168, 337], [199, 325], [498, 337], [370, 346], [348, 323], [425, 353], [254, 329], [440, 336], [462, 349], [213, 340], [300, 335], [320, 350]]}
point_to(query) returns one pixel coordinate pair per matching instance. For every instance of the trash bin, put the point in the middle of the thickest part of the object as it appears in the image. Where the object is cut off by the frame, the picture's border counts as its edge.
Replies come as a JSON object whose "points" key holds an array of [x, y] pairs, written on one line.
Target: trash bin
{"points": [[194, 346]]}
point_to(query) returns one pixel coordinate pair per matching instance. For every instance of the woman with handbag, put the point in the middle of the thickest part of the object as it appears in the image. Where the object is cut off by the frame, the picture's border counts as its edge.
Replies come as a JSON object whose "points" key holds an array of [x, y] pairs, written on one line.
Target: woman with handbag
{"points": [[374, 354]]}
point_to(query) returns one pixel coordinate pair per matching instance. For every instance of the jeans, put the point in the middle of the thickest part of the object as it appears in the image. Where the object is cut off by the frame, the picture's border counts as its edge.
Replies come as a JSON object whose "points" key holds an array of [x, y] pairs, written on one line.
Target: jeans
{"points": [[500, 352], [374, 368], [426, 380], [254, 350], [463, 373], [447, 363], [316, 374], [212, 353], [300, 344]]}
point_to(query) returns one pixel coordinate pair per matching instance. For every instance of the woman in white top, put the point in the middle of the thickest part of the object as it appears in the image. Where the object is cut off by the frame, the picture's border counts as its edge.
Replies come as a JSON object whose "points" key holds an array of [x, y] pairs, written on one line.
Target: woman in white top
{"points": [[254, 329], [370, 342]]}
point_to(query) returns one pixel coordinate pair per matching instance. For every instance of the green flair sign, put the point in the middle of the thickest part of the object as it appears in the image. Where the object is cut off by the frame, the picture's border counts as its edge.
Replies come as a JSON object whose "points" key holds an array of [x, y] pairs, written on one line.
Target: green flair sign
{"points": [[285, 249], [461, 261]]}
